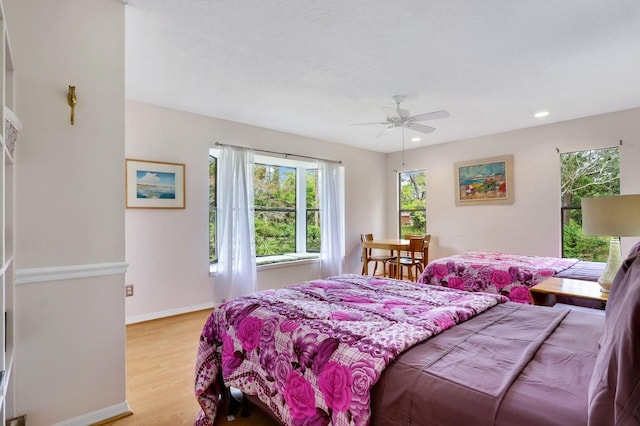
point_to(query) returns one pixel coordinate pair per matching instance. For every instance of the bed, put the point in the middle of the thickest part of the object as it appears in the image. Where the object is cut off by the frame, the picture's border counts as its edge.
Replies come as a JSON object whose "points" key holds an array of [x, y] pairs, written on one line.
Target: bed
{"points": [[356, 350], [508, 274]]}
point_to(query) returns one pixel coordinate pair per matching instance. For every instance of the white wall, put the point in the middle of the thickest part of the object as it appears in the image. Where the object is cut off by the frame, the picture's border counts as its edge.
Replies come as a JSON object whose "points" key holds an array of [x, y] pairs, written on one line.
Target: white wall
{"points": [[169, 268], [531, 225], [167, 250], [70, 334]]}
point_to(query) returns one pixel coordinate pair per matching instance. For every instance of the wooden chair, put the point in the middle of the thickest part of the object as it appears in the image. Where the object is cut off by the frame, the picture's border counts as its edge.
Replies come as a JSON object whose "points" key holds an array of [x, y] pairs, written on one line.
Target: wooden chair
{"points": [[382, 259], [425, 250], [415, 262]]}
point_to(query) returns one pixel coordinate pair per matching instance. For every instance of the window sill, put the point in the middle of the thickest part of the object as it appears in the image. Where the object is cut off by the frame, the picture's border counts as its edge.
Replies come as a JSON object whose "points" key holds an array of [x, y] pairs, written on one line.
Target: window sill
{"points": [[279, 261]]}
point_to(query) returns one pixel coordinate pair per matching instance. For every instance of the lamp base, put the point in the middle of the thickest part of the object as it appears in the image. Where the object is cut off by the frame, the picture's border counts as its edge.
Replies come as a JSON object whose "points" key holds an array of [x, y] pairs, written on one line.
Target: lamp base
{"points": [[613, 264]]}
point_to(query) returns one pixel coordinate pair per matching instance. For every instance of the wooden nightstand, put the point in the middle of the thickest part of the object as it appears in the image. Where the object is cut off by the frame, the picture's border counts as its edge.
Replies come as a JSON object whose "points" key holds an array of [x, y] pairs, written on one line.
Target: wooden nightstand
{"points": [[544, 293]]}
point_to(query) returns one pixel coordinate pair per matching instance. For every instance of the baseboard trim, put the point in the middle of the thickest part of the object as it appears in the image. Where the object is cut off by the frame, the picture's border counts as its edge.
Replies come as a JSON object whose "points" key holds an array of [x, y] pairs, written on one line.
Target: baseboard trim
{"points": [[168, 313], [57, 273], [113, 419], [98, 416]]}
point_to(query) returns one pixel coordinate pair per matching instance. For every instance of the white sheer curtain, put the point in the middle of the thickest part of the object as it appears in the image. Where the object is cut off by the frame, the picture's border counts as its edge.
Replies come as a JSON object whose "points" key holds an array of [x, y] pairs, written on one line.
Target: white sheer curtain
{"points": [[236, 273], [331, 229]]}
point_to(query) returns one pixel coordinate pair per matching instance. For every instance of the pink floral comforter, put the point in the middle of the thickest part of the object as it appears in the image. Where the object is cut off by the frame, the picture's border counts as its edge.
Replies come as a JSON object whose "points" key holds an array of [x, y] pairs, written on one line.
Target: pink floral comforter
{"points": [[508, 274], [313, 351]]}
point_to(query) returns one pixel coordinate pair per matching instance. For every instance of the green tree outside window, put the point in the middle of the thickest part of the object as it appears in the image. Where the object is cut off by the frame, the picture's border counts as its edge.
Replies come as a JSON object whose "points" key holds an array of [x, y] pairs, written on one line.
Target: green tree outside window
{"points": [[412, 196], [589, 173]]}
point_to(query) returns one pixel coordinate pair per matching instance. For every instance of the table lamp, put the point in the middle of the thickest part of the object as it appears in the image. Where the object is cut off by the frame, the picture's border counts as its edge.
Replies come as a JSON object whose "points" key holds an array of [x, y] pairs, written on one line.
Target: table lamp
{"points": [[614, 216]]}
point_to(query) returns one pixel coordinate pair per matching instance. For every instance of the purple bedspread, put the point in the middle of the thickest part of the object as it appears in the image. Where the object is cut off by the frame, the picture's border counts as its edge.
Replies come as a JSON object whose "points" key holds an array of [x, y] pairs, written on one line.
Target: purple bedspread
{"points": [[313, 351], [514, 364], [583, 270], [510, 275]]}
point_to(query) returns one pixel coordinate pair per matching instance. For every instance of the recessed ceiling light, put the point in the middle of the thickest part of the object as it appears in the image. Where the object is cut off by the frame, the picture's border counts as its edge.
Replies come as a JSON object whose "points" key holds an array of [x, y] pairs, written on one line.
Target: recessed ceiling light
{"points": [[415, 139], [541, 114]]}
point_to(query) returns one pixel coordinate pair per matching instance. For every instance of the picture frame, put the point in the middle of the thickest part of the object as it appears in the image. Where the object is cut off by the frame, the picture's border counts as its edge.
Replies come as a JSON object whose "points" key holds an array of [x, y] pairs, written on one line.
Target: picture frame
{"points": [[484, 181], [154, 184]]}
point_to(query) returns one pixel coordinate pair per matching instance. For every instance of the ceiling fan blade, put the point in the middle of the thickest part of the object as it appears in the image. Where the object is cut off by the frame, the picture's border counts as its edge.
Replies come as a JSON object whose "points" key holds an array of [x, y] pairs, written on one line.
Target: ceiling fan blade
{"points": [[385, 130], [367, 124], [430, 115], [396, 112], [403, 113], [420, 127], [391, 112]]}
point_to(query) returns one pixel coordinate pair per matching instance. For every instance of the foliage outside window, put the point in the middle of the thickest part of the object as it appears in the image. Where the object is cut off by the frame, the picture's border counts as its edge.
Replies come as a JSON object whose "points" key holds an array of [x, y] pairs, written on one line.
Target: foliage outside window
{"points": [[287, 217], [275, 209], [313, 212], [590, 173], [412, 209]]}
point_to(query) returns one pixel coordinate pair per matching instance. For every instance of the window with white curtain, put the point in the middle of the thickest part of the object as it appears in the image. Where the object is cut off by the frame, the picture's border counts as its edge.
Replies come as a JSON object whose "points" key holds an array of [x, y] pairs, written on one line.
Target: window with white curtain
{"points": [[287, 219]]}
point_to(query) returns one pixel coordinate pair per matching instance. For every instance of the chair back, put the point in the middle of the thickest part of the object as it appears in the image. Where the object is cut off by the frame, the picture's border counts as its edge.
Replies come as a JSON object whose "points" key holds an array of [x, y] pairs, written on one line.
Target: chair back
{"points": [[367, 237], [416, 245], [425, 250], [410, 236]]}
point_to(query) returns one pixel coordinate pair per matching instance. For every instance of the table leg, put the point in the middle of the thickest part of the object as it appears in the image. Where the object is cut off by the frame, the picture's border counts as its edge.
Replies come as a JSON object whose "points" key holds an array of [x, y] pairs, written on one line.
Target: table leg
{"points": [[365, 264]]}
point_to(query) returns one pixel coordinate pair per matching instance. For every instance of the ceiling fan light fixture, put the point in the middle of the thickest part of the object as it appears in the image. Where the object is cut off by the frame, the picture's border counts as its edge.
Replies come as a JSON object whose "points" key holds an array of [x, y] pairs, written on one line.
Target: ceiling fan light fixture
{"points": [[541, 114], [416, 139]]}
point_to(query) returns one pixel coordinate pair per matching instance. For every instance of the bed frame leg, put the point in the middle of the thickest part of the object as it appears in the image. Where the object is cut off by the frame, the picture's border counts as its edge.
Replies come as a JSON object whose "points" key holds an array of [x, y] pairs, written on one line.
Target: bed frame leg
{"points": [[246, 406], [229, 404], [232, 400]]}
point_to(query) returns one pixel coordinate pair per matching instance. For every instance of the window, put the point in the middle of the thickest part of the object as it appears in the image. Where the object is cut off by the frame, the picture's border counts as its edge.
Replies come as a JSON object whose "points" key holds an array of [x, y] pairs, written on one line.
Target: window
{"points": [[589, 173], [275, 209], [287, 217], [412, 198], [213, 167]]}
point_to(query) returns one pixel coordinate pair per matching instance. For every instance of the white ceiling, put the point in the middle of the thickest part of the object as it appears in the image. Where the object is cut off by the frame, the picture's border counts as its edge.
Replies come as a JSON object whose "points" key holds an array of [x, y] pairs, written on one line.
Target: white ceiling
{"points": [[314, 67]]}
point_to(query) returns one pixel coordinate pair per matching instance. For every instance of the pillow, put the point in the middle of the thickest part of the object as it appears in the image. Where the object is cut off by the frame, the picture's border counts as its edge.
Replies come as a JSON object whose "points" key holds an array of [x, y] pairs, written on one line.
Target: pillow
{"points": [[633, 253], [634, 250], [614, 390]]}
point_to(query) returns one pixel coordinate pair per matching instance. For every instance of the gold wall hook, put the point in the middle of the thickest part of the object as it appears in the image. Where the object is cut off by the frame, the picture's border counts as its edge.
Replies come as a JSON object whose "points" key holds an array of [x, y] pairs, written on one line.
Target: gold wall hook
{"points": [[72, 101]]}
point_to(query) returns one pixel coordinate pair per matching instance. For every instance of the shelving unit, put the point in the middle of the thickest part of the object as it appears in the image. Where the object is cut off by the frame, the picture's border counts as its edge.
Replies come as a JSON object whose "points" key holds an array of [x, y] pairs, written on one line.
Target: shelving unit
{"points": [[8, 138]]}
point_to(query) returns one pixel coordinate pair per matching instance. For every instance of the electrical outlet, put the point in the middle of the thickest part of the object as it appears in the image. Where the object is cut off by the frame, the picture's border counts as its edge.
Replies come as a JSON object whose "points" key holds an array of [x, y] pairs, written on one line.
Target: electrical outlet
{"points": [[128, 290], [17, 421]]}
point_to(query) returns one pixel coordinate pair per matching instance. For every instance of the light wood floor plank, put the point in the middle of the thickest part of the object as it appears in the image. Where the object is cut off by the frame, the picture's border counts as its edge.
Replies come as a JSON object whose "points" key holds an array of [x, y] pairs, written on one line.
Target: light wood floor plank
{"points": [[161, 359]]}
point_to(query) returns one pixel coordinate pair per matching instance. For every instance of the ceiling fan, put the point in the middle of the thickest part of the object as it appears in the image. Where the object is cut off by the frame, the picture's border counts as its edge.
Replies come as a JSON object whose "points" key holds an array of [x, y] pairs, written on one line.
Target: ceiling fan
{"points": [[399, 117]]}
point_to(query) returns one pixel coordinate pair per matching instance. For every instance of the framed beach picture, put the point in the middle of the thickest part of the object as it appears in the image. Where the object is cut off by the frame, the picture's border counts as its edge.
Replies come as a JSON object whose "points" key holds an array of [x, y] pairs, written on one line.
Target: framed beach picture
{"points": [[154, 184], [484, 181]]}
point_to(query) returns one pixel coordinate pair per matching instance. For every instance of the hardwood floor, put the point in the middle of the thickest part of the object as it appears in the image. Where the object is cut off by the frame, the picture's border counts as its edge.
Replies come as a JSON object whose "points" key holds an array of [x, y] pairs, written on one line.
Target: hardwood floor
{"points": [[161, 357]]}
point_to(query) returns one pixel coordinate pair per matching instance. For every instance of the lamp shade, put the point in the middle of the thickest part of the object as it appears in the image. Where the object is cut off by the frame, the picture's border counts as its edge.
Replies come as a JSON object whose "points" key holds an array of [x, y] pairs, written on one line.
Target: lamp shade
{"points": [[613, 216]]}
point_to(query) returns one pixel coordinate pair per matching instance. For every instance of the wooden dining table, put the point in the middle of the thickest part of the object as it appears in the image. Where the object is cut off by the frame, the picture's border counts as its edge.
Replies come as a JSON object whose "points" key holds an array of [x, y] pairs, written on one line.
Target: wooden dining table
{"points": [[393, 244]]}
